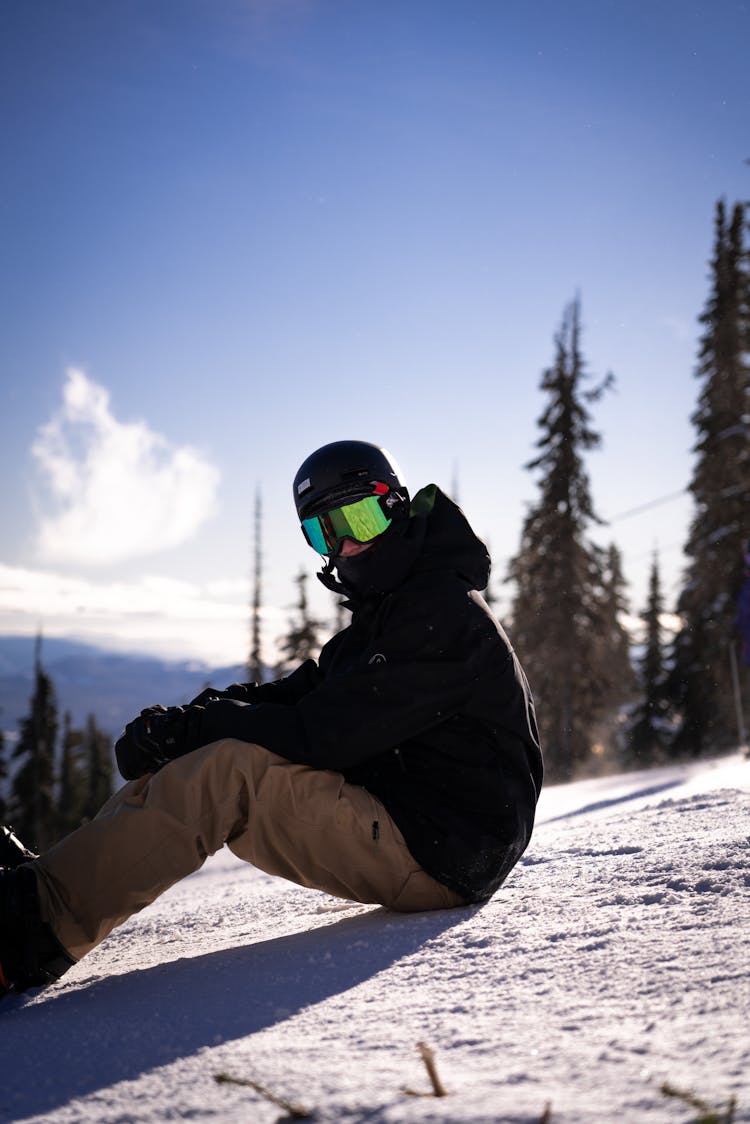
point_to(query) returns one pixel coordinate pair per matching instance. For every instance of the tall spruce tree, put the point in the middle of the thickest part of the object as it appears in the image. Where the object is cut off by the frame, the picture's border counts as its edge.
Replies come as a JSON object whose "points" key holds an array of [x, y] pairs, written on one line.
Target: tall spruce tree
{"points": [[32, 801], [558, 605], [701, 681], [649, 732]]}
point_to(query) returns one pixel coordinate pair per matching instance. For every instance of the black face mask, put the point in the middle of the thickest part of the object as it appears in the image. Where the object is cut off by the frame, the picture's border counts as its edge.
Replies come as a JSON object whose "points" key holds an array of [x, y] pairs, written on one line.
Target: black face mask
{"points": [[387, 562]]}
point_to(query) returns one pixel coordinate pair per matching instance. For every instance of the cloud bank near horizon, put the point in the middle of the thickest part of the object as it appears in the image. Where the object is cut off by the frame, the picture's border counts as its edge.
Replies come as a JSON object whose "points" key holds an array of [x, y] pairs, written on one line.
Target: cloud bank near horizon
{"points": [[117, 490], [154, 615]]}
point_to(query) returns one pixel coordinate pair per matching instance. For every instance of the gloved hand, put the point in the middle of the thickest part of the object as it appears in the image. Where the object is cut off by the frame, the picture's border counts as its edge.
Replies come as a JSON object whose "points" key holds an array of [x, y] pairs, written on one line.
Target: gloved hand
{"points": [[239, 691], [156, 736]]}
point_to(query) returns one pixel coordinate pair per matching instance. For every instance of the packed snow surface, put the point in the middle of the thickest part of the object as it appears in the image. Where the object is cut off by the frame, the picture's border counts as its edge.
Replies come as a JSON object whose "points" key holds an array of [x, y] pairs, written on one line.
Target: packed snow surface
{"points": [[614, 961]]}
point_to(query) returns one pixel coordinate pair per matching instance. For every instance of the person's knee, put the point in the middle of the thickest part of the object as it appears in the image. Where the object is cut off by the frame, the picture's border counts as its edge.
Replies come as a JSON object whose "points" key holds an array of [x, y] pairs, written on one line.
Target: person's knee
{"points": [[218, 769], [231, 754]]}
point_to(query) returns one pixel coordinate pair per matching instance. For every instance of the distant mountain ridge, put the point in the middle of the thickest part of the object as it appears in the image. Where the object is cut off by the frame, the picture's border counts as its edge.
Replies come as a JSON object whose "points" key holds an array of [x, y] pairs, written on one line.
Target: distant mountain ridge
{"points": [[113, 686]]}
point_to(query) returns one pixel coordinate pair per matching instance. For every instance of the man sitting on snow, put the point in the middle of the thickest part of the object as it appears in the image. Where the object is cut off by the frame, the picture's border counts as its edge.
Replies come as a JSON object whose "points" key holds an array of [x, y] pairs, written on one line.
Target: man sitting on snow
{"points": [[402, 768]]}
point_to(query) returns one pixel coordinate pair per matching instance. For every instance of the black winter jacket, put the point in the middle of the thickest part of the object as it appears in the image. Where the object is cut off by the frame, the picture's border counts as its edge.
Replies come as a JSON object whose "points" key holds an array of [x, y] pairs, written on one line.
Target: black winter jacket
{"points": [[421, 700]]}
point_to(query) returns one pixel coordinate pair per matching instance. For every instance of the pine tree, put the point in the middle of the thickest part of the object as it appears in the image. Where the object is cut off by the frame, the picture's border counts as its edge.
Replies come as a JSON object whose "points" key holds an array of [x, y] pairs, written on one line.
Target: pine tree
{"points": [[617, 641], [85, 774], [649, 732], [32, 803], [255, 662], [701, 679], [557, 609], [73, 780], [301, 641], [614, 651], [97, 748]]}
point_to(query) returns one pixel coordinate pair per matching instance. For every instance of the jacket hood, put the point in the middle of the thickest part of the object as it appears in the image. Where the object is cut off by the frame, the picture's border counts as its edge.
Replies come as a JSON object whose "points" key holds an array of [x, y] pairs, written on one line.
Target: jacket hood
{"points": [[449, 542], [437, 536]]}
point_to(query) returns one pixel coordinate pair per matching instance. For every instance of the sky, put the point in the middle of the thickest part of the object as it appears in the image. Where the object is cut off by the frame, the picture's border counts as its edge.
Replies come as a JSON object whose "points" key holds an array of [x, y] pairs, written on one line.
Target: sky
{"points": [[236, 230]]}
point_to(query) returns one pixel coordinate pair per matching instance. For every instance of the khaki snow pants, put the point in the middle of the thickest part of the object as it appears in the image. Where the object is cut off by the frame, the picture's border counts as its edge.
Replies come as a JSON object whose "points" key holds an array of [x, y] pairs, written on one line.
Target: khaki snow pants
{"points": [[307, 825]]}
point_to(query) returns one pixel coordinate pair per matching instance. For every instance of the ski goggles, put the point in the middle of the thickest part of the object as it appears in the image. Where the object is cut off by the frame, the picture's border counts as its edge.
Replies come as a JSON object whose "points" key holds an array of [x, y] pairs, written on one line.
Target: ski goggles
{"points": [[362, 521]]}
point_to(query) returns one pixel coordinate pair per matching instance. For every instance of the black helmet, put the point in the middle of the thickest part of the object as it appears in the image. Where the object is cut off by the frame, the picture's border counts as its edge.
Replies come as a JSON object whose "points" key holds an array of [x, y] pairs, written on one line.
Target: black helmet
{"points": [[345, 471], [348, 490]]}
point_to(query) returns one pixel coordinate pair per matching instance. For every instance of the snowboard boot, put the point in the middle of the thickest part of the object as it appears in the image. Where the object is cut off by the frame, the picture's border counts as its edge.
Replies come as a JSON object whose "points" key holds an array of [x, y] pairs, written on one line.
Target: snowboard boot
{"points": [[30, 954], [12, 850]]}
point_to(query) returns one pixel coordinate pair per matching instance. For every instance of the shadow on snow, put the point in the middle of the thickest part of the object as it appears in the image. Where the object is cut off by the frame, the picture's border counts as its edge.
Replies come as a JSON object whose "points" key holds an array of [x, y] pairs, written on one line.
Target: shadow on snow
{"points": [[116, 1029]]}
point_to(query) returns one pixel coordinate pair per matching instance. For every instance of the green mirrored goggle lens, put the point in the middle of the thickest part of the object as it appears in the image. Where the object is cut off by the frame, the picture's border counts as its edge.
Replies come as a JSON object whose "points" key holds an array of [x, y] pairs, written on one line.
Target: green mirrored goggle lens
{"points": [[362, 521]]}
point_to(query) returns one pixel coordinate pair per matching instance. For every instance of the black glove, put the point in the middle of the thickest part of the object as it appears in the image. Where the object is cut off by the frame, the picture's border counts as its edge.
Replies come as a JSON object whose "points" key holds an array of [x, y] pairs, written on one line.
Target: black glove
{"points": [[157, 736], [239, 691]]}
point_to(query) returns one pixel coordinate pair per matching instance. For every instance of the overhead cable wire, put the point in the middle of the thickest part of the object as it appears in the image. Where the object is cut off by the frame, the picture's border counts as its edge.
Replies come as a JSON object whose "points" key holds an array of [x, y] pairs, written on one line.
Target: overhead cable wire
{"points": [[646, 506]]}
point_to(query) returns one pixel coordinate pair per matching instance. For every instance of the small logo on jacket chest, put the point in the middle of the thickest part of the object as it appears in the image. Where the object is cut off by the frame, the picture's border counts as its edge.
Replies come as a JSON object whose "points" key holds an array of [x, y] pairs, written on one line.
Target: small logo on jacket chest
{"points": [[377, 658]]}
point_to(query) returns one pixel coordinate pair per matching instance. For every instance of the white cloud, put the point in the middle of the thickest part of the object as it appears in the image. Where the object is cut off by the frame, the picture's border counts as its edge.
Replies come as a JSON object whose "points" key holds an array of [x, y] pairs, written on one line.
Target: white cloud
{"points": [[119, 489], [158, 615]]}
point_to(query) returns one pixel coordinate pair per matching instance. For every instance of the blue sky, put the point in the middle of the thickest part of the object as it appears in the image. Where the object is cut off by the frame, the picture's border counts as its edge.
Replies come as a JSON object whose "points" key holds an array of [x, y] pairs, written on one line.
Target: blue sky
{"points": [[235, 230]]}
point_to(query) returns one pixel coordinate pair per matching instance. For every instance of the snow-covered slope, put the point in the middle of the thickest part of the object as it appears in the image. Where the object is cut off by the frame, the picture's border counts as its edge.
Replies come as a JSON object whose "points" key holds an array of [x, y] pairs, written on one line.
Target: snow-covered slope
{"points": [[615, 959]]}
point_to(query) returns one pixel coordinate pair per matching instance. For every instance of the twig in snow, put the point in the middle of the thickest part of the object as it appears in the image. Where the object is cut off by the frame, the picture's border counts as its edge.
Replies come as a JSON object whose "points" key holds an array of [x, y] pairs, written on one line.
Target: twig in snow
{"points": [[294, 1110], [546, 1116], [708, 1115], [438, 1089]]}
